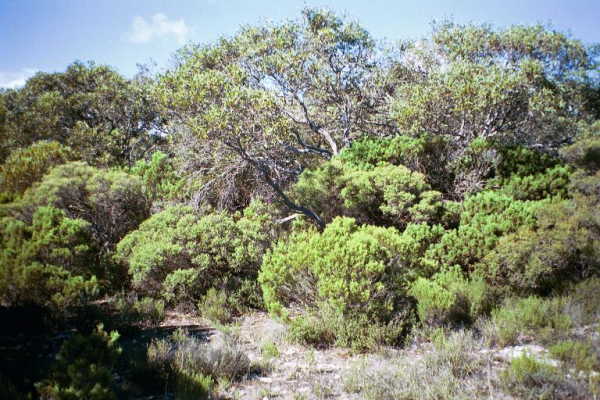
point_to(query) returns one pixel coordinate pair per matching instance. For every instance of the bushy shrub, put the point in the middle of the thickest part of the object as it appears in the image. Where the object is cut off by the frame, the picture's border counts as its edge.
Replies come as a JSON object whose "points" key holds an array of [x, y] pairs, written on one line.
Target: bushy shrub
{"points": [[112, 201], [485, 218], [49, 262], [178, 254], [25, 166], [83, 368], [562, 249], [520, 318], [348, 270], [159, 177], [383, 194], [449, 297]]}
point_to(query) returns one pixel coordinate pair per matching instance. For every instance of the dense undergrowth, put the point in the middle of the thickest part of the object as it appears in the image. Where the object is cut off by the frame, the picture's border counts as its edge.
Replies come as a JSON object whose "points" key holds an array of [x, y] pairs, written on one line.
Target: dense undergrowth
{"points": [[450, 195]]}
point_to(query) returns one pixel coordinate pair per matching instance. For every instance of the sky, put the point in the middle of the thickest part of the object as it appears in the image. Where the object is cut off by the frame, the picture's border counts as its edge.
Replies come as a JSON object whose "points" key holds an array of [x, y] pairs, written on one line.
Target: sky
{"points": [[48, 35]]}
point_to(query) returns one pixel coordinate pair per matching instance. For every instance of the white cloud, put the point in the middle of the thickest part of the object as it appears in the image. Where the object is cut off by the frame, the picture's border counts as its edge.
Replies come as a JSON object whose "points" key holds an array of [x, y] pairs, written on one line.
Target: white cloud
{"points": [[14, 80], [143, 30]]}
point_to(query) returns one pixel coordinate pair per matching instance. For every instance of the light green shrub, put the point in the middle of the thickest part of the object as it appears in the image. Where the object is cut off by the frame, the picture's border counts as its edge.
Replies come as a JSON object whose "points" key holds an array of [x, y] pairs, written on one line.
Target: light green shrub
{"points": [[159, 177], [449, 297], [348, 270], [178, 254], [383, 194], [49, 262], [578, 355], [532, 316], [485, 218]]}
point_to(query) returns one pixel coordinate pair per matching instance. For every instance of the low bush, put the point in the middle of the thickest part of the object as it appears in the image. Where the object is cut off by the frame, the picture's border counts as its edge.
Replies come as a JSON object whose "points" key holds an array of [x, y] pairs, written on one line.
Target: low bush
{"points": [[192, 367], [215, 306], [531, 318], [83, 368], [529, 378], [578, 355], [448, 297], [145, 311], [348, 272], [178, 255]]}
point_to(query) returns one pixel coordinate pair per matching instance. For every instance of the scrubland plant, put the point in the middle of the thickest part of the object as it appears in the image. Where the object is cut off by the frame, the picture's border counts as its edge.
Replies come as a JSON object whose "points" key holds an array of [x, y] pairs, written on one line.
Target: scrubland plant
{"points": [[347, 272], [178, 255], [84, 368]]}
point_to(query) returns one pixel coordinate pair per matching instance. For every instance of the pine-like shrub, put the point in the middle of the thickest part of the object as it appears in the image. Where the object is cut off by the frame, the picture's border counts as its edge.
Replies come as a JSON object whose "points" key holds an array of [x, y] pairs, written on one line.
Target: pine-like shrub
{"points": [[83, 368], [25, 166], [179, 254], [49, 262], [348, 271]]}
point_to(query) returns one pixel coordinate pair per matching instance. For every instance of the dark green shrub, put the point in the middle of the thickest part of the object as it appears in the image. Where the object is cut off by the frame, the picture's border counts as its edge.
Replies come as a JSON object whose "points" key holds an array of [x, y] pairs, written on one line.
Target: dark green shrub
{"points": [[178, 254], [83, 368], [521, 161], [585, 152], [49, 262], [552, 182], [348, 272]]}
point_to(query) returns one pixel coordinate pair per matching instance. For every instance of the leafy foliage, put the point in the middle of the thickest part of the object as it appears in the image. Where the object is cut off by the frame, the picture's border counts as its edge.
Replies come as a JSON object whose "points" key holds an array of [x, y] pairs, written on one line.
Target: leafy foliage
{"points": [[25, 166], [49, 262], [110, 200], [178, 254], [348, 270], [83, 368], [103, 117]]}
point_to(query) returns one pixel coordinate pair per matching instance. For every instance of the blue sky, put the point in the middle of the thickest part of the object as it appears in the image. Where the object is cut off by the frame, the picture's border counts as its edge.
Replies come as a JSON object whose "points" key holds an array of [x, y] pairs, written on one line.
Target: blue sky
{"points": [[48, 35]]}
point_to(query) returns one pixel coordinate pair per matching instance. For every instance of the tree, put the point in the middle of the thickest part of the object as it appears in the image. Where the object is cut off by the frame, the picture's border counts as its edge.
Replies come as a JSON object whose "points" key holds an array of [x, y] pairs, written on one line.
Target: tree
{"points": [[104, 117], [277, 99], [481, 88]]}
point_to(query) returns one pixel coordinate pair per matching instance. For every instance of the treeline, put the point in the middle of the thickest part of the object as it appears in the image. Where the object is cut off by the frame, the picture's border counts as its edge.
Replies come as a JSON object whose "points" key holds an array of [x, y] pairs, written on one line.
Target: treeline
{"points": [[428, 181]]}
